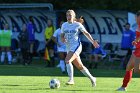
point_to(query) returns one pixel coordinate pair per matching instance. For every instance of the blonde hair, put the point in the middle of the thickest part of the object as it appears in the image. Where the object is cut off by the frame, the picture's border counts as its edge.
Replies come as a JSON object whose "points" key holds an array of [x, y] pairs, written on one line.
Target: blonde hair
{"points": [[81, 20], [71, 11]]}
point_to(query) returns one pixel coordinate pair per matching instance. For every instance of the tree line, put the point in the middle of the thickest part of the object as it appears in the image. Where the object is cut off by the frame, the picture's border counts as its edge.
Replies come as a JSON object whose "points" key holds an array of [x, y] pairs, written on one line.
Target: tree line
{"points": [[127, 5]]}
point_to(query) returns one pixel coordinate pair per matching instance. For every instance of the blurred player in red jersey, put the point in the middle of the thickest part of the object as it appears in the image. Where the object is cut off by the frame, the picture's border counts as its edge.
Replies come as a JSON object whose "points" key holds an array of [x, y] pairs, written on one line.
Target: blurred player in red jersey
{"points": [[134, 61]]}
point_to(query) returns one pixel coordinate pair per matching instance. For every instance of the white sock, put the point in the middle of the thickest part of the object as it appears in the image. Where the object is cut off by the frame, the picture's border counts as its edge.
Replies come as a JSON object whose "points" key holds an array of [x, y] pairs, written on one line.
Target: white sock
{"points": [[62, 65], [2, 56], [9, 57], [70, 70], [86, 72]]}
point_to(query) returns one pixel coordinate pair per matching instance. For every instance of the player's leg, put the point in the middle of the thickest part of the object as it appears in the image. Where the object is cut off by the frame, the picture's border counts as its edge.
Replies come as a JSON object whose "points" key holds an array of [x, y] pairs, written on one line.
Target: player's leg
{"points": [[51, 54], [128, 74], [127, 57], [96, 60], [62, 62], [9, 55], [91, 57], [137, 65], [59, 54], [68, 60], [78, 63], [31, 50], [73, 53], [2, 55]]}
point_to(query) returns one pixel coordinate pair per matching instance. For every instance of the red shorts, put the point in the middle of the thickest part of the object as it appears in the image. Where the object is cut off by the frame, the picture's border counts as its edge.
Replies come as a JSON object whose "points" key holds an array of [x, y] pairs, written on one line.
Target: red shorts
{"points": [[137, 52]]}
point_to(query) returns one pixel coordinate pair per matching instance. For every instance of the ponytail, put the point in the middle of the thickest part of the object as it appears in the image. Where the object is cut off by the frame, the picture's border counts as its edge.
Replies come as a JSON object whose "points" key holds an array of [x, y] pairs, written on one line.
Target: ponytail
{"points": [[81, 20]]}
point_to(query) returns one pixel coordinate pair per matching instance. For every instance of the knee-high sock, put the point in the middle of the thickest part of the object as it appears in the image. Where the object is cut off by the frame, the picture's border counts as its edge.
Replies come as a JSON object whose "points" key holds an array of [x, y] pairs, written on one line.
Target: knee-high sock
{"points": [[2, 56], [9, 57], [70, 70], [127, 78], [86, 72], [62, 65]]}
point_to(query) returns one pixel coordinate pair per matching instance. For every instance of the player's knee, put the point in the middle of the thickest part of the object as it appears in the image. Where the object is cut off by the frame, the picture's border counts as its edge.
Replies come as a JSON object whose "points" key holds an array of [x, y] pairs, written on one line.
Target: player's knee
{"points": [[129, 67], [80, 67]]}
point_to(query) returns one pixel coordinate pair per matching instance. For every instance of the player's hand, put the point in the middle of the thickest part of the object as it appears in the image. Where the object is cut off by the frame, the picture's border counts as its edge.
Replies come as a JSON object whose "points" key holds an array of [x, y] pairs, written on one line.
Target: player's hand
{"points": [[95, 44]]}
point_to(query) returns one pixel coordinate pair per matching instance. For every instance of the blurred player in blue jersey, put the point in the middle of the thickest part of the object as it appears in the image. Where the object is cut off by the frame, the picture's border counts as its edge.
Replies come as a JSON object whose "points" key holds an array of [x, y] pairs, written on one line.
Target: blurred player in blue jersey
{"points": [[31, 36], [126, 44], [61, 47]]}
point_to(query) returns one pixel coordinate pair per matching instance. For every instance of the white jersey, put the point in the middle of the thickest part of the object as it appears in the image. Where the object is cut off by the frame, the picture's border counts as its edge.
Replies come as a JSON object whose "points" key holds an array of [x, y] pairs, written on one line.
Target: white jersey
{"points": [[71, 34], [57, 35]]}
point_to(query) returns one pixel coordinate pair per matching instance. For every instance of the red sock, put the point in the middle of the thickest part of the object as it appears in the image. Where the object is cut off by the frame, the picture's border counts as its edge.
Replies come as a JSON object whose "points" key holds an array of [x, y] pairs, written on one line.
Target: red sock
{"points": [[127, 78]]}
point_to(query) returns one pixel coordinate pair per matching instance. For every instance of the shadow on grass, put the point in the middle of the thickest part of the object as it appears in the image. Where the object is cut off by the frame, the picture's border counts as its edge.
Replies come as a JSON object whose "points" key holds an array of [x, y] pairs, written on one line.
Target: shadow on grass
{"points": [[74, 90], [15, 88], [17, 85], [35, 70]]}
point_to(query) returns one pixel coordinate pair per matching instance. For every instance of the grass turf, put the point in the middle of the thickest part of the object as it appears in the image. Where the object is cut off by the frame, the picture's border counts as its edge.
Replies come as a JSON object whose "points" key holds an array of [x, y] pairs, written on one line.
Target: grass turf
{"points": [[35, 79]]}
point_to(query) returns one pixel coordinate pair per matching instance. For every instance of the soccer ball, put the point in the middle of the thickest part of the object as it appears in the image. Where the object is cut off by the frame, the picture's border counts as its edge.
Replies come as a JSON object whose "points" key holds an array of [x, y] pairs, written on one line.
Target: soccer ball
{"points": [[54, 83]]}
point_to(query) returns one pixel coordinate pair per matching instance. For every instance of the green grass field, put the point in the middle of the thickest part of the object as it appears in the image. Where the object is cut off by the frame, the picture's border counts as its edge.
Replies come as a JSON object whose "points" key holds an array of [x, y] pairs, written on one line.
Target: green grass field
{"points": [[35, 79]]}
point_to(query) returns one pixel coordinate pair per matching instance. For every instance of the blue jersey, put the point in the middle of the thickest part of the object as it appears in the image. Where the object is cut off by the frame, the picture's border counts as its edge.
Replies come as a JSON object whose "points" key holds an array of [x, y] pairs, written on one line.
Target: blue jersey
{"points": [[127, 38], [31, 32]]}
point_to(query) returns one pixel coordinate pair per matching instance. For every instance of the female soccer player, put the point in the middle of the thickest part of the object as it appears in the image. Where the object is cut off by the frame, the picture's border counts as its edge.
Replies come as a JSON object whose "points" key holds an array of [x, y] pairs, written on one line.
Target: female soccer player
{"points": [[134, 61], [61, 47], [69, 34]]}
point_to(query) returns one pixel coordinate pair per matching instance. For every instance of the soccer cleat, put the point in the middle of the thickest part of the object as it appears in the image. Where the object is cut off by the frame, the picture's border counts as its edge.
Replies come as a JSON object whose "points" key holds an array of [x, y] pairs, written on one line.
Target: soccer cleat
{"points": [[93, 81], [70, 82], [121, 89]]}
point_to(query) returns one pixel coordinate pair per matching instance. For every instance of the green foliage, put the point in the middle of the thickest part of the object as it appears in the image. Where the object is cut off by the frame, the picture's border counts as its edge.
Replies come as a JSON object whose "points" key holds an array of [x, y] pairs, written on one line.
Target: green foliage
{"points": [[129, 5]]}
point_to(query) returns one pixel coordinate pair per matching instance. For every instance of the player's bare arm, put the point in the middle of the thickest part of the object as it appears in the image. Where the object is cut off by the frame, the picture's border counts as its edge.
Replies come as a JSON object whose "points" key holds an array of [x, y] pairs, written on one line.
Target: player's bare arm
{"points": [[62, 38], [94, 42]]}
